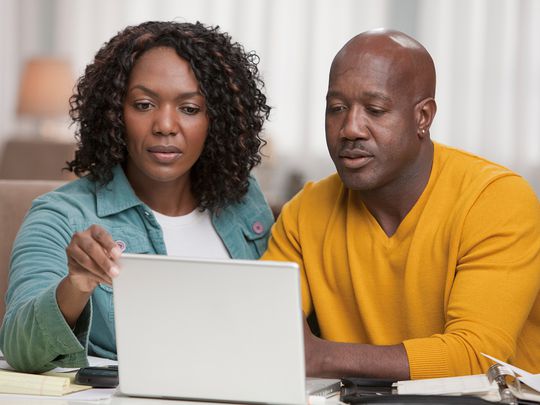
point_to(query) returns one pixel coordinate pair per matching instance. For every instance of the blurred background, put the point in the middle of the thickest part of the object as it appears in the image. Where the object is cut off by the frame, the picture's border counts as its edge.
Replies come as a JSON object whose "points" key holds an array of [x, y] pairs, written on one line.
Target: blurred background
{"points": [[487, 55]]}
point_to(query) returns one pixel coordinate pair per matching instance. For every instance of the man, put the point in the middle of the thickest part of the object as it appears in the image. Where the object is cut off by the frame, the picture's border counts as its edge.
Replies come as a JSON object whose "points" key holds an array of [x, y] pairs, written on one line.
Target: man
{"points": [[415, 257]]}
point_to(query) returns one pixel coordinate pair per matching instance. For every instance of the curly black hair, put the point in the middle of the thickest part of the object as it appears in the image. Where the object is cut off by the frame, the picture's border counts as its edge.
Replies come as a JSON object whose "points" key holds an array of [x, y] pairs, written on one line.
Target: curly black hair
{"points": [[228, 79]]}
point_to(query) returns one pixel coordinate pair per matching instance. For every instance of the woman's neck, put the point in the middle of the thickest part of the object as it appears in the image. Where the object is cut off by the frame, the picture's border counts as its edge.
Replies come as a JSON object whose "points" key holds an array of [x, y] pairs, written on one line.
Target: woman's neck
{"points": [[169, 199], [173, 198]]}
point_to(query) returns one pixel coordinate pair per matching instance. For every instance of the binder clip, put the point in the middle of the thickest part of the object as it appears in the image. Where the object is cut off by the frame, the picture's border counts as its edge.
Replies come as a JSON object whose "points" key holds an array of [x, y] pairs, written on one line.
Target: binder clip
{"points": [[504, 377]]}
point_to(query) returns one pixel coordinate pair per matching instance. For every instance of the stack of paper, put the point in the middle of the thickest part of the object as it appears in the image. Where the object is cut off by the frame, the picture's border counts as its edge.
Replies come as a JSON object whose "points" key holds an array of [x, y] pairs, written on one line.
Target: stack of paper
{"points": [[531, 390], [478, 385], [37, 384]]}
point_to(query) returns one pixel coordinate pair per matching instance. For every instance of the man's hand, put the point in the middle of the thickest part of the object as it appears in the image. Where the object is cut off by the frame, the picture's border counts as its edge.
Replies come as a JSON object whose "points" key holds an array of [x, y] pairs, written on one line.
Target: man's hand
{"points": [[314, 352], [92, 259], [336, 360]]}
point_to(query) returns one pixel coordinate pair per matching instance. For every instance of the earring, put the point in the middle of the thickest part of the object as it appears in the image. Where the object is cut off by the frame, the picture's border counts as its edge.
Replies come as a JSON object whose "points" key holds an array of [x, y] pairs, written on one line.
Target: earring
{"points": [[423, 131]]}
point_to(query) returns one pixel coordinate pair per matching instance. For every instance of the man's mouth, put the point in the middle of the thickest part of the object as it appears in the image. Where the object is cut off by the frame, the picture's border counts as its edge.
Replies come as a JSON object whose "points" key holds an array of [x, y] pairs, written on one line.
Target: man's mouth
{"points": [[355, 158]]}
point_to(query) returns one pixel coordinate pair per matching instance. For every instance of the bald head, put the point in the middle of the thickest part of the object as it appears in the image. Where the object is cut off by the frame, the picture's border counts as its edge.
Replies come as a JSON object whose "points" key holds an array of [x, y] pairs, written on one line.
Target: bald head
{"points": [[379, 109], [406, 62]]}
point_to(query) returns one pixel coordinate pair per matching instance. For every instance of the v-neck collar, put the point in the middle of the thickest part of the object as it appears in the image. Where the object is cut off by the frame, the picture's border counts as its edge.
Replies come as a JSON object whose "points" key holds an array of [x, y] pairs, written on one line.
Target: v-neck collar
{"points": [[408, 224]]}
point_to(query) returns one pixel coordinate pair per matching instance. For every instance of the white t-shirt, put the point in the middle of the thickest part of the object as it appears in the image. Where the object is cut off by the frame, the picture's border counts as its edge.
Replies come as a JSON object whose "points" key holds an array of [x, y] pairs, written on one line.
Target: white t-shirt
{"points": [[191, 235]]}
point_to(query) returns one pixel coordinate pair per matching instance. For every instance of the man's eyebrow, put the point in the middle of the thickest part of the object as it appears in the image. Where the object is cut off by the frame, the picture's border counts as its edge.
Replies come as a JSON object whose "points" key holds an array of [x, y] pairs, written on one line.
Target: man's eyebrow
{"points": [[376, 95], [142, 87], [333, 93], [365, 94]]}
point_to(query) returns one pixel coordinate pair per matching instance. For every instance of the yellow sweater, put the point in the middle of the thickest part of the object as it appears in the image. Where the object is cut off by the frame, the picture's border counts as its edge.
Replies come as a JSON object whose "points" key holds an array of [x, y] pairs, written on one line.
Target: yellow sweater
{"points": [[460, 276]]}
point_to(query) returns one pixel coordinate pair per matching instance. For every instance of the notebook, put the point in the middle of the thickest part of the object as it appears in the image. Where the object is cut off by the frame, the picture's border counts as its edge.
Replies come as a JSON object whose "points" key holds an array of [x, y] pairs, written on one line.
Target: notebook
{"points": [[213, 330], [503, 382]]}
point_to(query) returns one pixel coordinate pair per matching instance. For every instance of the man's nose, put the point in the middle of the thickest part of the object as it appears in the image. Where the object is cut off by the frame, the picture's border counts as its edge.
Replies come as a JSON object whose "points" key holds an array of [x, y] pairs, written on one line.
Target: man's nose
{"points": [[354, 124], [166, 121]]}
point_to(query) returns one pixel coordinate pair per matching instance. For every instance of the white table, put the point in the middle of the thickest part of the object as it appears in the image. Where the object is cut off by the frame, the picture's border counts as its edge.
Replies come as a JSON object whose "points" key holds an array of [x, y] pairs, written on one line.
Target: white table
{"points": [[115, 399]]}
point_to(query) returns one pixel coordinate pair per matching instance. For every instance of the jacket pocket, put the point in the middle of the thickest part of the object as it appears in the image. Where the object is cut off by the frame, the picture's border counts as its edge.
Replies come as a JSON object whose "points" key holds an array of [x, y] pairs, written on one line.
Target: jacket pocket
{"points": [[131, 240], [257, 237]]}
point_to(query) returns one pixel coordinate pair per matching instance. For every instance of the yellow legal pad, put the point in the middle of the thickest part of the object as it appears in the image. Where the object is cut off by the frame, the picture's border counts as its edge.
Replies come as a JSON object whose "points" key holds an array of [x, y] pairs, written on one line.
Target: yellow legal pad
{"points": [[51, 384]]}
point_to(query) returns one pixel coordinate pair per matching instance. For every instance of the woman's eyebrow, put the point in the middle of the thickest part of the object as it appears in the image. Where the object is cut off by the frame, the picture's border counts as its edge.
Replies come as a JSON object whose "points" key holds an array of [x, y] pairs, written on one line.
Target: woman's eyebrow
{"points": [[143, 88], [183, 95]]}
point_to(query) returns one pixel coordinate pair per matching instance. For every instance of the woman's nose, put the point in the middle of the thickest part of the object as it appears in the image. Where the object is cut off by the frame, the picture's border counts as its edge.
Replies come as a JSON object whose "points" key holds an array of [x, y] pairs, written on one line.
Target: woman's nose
{"points": [[166, 121]]}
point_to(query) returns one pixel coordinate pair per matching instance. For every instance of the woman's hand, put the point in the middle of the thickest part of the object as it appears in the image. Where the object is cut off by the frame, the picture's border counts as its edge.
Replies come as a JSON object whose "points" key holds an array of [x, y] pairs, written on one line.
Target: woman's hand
{"points": [[92, 257]]}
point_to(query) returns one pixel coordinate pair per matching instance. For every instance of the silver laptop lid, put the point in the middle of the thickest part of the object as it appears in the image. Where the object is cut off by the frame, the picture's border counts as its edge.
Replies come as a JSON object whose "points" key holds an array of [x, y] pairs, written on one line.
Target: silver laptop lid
{"points": [[224, 330]]}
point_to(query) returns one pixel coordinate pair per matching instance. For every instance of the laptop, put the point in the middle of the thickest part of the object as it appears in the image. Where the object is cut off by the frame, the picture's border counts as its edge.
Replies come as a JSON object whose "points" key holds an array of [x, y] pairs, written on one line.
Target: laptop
{"points": [[212, 330]]}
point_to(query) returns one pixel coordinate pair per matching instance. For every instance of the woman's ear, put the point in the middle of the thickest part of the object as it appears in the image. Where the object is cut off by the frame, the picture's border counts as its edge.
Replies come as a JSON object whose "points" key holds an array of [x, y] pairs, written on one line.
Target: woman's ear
{"points": [[425, 112]]}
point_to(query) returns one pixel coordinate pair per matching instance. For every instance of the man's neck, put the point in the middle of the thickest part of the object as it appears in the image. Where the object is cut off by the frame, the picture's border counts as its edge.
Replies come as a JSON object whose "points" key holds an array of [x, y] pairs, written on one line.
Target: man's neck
{"points": [[389, 205]]}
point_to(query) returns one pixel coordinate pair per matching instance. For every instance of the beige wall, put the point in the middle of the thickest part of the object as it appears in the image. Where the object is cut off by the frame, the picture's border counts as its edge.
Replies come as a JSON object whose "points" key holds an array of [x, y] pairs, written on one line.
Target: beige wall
{"points": [[487, 54]]}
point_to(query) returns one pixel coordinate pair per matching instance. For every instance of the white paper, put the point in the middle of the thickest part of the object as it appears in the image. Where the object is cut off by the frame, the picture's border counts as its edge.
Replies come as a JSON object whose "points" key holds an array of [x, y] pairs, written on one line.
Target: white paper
{"points": [[93, 362], [473, 384]]}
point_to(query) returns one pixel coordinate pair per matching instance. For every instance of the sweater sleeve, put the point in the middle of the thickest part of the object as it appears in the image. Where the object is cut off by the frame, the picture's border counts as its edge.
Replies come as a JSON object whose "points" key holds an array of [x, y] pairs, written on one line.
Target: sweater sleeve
{"points": [[35, 336], [285, 244], [496, 283]]}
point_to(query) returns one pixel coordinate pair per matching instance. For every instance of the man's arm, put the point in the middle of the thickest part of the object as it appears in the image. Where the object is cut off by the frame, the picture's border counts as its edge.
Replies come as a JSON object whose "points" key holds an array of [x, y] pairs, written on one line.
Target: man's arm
{"points": [[326, 358], [495, 285], [332, 359]]}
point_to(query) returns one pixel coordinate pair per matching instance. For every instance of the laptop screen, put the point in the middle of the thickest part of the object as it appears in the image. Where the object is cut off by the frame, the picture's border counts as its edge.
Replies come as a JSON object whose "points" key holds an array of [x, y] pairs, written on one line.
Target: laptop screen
{"points": [[225, 330]]}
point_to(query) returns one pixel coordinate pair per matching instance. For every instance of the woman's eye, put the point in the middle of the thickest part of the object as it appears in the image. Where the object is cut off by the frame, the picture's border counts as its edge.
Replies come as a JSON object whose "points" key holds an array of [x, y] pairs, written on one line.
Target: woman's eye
{"points": [[190, 110], [143, 105]]}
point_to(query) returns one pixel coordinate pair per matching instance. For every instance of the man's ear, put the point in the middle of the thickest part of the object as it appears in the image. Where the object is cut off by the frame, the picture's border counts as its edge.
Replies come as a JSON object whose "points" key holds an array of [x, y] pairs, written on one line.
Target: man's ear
{"points": [[425, 112]]}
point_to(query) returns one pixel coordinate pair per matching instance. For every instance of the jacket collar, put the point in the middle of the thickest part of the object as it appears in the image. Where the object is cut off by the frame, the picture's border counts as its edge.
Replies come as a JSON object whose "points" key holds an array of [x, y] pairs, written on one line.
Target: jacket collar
{"points": [[115, 196]]}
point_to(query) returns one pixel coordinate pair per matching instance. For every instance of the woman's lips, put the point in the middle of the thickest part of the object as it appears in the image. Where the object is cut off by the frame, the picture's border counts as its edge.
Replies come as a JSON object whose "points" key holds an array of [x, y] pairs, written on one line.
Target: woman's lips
{"points": [[164, 153]]}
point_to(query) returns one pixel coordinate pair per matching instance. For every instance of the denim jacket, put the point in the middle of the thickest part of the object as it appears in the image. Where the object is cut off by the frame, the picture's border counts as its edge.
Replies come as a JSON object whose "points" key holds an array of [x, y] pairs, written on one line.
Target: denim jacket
{"points": [[34, 335]]}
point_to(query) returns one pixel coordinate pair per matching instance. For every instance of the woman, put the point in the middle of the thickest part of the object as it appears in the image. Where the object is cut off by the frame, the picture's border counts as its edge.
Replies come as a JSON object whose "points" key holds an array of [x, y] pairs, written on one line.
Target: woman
{"points": [[169, 117]]}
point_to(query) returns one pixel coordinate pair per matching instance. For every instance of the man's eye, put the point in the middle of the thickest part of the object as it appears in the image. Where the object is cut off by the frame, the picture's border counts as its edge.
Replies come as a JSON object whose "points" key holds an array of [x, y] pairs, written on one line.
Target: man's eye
{"points": [[143, 105], [375, 111], [335, 108]]}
